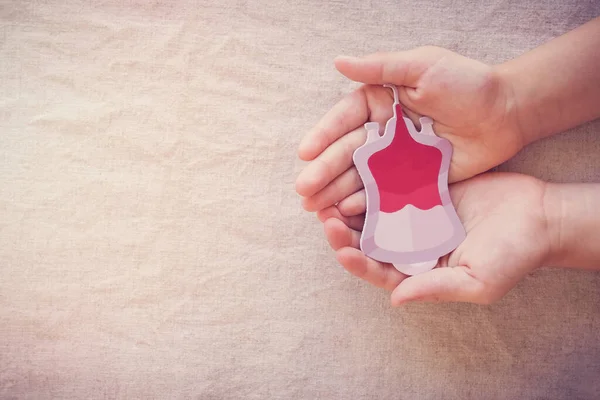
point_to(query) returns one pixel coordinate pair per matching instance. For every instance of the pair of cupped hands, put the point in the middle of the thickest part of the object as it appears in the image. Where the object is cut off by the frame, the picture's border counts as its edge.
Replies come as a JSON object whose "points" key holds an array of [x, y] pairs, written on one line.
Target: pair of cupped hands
{"points": [[472, 107]]}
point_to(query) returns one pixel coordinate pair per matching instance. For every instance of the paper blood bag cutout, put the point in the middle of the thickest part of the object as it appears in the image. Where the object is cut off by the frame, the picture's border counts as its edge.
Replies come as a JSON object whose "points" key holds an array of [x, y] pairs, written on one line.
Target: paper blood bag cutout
{"points": [[410, 220]]}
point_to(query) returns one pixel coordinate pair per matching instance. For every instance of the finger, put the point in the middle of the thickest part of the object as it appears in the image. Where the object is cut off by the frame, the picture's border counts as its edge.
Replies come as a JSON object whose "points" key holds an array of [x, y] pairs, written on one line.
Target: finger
{"points": [[339, 235], [356, 222], [381, 275], [341, 187], [407, 96], [336, 159], [453, 284], [347, 115], [354, 204], [403, 68]]}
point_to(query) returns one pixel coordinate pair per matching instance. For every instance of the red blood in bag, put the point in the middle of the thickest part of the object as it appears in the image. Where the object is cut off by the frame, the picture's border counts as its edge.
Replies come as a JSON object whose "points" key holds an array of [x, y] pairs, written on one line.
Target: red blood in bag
{"points": [[406, 172]]}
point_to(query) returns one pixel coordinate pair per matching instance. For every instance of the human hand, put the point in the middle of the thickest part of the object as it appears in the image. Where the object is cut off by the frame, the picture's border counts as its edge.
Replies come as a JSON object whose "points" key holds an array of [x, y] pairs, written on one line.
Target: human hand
{"points": [[470, 104], [507, 238]]}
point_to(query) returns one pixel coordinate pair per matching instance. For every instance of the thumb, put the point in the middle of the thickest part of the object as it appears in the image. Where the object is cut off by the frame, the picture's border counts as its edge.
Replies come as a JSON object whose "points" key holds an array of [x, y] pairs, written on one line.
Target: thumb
{"points": [[443, 284], [402, 68]]}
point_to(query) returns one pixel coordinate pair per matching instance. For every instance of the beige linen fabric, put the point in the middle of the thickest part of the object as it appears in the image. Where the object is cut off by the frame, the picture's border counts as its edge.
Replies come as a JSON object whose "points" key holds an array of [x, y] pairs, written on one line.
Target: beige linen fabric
{"points": [[151, 242]]}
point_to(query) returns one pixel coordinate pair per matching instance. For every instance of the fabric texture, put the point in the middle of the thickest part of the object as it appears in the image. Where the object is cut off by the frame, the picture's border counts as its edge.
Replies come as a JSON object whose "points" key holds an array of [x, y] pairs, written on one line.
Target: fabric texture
{"points": [[152, 245]]}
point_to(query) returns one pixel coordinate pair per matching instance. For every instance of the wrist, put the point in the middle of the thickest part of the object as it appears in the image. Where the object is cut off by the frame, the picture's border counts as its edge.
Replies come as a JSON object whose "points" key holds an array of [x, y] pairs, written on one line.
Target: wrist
{"points": [[571, 211], [518, 117], [554, 222]]}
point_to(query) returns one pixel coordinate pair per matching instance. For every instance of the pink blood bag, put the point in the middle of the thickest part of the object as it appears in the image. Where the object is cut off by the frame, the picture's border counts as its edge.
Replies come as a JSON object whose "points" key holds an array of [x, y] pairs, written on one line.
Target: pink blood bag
{"points": [[410, 220]]}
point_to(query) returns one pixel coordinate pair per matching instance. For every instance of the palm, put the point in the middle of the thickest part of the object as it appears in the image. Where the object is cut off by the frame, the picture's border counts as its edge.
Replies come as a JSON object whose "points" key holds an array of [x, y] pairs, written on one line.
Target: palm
{"points": [[461, 95], [469, 104], [503, 217]]}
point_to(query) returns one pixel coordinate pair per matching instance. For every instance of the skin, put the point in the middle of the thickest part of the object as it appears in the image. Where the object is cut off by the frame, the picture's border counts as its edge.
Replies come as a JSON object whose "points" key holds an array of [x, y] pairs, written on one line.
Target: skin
{"points": [[482, 136], [514, 223]]}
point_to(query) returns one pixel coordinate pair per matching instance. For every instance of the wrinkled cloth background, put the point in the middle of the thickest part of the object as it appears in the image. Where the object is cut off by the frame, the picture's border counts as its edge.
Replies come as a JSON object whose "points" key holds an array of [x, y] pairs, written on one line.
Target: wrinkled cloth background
{"points": [[151, 242]]}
